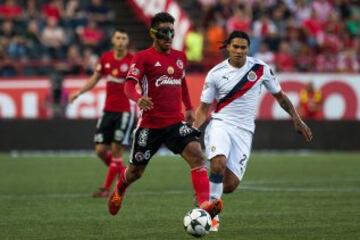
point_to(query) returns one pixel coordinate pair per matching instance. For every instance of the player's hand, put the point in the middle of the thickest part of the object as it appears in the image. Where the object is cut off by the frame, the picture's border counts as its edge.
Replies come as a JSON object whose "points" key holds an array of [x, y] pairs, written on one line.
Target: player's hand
{"points": [[189, 117], [303, 129], [73, 97], [145, 103]]}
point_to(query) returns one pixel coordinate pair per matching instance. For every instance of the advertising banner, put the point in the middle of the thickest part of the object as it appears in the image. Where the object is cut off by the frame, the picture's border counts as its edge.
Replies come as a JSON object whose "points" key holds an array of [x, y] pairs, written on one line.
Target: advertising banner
{"points": [[30, 98]]}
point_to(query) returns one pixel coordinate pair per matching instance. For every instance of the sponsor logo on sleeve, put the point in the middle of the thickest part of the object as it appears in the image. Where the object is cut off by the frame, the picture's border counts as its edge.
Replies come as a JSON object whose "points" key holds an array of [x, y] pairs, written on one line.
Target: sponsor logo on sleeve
{"points": [[134, 70]]}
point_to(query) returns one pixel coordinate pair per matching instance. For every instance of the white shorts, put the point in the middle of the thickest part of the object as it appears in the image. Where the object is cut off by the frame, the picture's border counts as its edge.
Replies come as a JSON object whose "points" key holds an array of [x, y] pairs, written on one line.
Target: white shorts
{"points": [[232, 142]]}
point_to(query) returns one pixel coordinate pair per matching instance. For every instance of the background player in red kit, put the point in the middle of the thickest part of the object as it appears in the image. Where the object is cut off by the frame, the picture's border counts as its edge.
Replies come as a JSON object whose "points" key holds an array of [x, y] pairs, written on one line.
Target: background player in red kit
{"points": [[160, 71], [113, 129]]}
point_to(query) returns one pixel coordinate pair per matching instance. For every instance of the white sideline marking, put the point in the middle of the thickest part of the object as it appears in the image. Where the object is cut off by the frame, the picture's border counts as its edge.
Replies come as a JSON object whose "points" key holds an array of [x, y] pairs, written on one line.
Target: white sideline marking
{"points": [[181, 192]]}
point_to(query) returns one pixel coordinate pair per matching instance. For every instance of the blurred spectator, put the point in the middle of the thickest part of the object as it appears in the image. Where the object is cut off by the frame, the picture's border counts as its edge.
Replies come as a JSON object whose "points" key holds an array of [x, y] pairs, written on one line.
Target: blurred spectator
{"points": [[302, 10], [91, 35], [53, 37], [10, 10], [31, 10], [90, 60], [285, 61], [348, 61], [326, 61], [194, 43], [305, 58], [57, 98], [7, 30], [215, 35], [53, 9], [313, 28], [322, 9], [310, 106], [98, 11], [33, 40], [73, 61], [353, 24], [266, 55], [74, 15], [7, 69], [240, 21], [16, 48]]}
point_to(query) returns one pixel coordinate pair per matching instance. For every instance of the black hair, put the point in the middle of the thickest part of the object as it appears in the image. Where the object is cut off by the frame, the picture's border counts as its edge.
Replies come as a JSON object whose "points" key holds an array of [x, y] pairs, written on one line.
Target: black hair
{"points": [[161, 17], [121, 30], [236, 34]]}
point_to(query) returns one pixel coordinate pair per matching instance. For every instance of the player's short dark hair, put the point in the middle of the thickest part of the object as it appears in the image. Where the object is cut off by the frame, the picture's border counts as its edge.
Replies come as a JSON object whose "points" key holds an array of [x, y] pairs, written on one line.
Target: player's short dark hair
{"points": [[161, 17], [236, 34], [118, 29]]}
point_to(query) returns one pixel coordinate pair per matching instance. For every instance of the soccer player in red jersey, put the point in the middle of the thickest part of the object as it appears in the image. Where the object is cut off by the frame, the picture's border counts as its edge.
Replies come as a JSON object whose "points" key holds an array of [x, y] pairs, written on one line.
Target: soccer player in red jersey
{"points": [[113, 129], [160, 71]]}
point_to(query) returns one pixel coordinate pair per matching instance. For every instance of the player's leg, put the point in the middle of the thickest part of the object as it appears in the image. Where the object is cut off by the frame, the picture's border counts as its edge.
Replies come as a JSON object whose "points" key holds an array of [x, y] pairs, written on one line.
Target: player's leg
{"points": [[103, 152], [103, 137], [115, 168], [184, 140], [146, 142], [238, 159]]}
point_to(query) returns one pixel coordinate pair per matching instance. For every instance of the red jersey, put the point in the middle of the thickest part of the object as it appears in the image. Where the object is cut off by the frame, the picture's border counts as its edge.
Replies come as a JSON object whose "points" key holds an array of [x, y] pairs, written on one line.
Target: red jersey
{"points": [[160, 76], [115, 70]]}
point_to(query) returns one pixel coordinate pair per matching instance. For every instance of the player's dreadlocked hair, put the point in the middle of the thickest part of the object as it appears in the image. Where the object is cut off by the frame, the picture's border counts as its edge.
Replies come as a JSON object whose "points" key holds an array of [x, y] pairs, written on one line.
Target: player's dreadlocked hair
{"points": [[235, 34], [161, 17]]}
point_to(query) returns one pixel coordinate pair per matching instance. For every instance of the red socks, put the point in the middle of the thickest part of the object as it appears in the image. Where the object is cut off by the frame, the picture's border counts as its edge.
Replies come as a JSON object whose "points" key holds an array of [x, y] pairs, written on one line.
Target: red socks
{"points": [[122, 184], [108, 158], [116, 167], [201, 185]]}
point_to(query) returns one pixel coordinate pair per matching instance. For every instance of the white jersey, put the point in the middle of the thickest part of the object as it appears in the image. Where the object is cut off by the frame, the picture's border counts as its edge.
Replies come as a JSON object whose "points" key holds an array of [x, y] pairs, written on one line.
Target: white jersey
{"points": [[237, 91]]}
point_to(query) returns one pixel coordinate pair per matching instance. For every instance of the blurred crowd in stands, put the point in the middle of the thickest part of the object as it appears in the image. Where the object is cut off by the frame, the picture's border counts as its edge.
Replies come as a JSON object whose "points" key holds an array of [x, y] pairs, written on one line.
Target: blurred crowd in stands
{"points": [[38, 36], [290, 35]]}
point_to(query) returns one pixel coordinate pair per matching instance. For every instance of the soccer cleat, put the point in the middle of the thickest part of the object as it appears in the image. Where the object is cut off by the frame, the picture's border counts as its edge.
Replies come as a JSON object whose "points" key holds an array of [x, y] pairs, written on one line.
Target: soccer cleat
{"points": [[215, 223], [101, 193], [213, 207], [114, 203]]}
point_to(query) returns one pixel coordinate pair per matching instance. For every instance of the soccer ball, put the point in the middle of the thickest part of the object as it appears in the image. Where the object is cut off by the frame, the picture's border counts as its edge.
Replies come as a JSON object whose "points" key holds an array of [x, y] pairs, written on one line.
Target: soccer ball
{"points": [[197, 222]]}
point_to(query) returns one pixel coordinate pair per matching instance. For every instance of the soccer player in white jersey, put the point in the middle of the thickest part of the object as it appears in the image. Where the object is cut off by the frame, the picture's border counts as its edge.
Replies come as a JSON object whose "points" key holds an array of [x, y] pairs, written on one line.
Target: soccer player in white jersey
{"points": [[235, 84]]}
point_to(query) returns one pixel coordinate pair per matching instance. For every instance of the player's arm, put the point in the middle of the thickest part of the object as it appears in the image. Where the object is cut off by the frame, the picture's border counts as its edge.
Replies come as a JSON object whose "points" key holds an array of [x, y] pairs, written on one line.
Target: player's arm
{"points": [[189, 113], [201, 114], [143, 102], [90, 84], [299, 124]]}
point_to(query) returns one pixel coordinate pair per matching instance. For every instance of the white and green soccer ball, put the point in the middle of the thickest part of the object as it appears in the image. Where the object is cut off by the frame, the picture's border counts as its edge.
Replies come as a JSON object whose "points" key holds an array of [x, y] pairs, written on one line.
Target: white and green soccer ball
{"points": [[197, 222]]}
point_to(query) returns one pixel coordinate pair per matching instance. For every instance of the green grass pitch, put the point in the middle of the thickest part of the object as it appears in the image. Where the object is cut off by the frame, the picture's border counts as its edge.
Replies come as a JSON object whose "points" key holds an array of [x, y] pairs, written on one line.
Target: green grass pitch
{"points": [[283, 196]]}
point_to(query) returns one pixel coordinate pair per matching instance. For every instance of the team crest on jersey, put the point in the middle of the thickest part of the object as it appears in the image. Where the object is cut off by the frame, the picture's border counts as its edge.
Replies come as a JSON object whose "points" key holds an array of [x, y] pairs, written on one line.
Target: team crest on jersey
{"points": [[180, 64], [251, 76], [124, 67], [107, 65], [114, 72], [213, 148], [170, 70], [143, 137]]}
